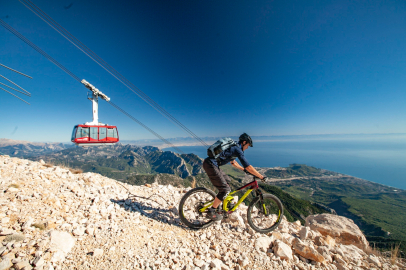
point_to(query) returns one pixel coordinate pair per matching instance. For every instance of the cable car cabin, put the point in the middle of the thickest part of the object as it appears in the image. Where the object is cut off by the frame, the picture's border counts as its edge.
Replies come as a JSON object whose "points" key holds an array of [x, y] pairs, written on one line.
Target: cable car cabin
{"points": [[89, 135]]}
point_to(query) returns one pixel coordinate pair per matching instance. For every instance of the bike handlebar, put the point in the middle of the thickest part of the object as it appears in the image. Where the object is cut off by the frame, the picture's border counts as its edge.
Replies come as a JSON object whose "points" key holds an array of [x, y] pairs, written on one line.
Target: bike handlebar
{"points": [[247, 172]]}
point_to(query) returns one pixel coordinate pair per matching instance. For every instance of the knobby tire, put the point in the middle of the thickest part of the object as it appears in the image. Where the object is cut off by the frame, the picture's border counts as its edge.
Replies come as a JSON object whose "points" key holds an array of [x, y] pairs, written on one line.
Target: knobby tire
{"points": [[184, 208], [265, 222]]}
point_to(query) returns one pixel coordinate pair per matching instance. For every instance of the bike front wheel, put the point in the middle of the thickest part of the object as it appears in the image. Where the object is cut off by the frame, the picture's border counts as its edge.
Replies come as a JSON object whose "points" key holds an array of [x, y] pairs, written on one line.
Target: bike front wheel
{"points": [[265, 214], [191, 205]]}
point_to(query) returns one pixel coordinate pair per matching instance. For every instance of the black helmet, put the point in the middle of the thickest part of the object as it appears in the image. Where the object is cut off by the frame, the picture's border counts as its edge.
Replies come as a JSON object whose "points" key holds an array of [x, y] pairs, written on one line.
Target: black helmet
{"points": [[247, 138]]}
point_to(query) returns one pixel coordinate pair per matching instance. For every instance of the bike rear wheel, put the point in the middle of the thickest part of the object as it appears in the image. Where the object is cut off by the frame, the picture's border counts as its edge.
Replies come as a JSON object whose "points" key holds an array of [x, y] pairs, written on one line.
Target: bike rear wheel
{"points": [[190, 204], [265, 214]]}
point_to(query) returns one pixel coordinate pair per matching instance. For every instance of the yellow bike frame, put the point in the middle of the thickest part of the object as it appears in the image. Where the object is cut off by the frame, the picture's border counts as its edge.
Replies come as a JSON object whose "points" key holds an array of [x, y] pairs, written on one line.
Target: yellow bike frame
{"points": [[253, 185]]}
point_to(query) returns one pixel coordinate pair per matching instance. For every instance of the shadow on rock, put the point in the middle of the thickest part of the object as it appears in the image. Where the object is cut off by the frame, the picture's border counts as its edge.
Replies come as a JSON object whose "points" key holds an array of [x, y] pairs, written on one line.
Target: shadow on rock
{"points": [[152, 209]]}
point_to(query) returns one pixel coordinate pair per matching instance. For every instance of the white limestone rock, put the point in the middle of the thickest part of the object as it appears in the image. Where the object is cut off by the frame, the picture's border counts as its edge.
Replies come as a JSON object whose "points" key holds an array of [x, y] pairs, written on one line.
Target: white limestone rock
{"points": [[5, 264], [38, 261], [90, 230], [97, 252], [22, 265], [5, 231], [12, 189], [27, 224], [61, 243], [236, 217], [282, 250], [307, 251], [373, 259], [79, 231], [304, 232], [263, 243], [218, 265], [341, 228]]}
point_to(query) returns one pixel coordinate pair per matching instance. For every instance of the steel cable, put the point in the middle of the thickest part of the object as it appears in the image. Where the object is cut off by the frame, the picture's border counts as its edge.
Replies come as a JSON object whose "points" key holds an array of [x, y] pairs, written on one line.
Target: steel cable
{"points": [[27, 93], [16, 71], [16, 33], [15, 89], [14, 95], [35, 47], [42, 15], [144, 126]]}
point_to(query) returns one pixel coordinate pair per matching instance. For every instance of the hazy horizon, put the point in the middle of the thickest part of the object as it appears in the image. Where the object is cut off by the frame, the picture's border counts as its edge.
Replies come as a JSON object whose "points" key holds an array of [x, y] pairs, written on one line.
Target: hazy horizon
{"points": [[258, 138]]}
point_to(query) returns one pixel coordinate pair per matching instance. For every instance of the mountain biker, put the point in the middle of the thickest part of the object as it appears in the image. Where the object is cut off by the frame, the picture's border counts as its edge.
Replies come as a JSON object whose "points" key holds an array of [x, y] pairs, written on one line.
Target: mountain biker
{"points": [[221, 180]]}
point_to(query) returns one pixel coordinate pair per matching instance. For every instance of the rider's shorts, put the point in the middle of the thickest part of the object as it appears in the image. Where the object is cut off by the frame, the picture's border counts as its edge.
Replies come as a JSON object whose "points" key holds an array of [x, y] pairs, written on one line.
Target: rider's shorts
{"points": [[218, 178]]}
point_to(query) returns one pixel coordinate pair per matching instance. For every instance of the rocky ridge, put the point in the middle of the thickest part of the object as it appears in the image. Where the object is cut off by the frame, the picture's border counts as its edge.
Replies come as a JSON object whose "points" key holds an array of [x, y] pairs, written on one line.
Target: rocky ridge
{"points": [[24, 148], [54, 219], [126, 159]]}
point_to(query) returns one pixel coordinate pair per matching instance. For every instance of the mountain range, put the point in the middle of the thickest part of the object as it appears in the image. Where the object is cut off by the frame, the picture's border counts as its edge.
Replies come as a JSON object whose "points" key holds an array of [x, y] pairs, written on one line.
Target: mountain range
{"points": [[24, 148], [121, 161]]}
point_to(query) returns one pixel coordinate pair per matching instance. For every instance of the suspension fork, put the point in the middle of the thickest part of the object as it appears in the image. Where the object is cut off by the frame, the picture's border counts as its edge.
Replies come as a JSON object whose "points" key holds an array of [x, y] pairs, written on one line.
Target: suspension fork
{"points": [[261, 201]]}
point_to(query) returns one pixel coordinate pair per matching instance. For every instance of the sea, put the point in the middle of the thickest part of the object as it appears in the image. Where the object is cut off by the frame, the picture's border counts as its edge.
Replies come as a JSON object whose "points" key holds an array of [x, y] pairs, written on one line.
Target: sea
{"points": [[380, 158]]}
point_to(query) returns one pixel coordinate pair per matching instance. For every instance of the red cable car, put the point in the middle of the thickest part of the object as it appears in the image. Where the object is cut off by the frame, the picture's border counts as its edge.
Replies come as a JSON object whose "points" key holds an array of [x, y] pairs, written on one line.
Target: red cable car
{"points": [[88, 135], [94, 133]]}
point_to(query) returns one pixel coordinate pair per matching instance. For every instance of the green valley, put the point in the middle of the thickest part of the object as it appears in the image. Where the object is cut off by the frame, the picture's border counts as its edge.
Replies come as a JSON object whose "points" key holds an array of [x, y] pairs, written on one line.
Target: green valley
{"points": [[380, 211]]}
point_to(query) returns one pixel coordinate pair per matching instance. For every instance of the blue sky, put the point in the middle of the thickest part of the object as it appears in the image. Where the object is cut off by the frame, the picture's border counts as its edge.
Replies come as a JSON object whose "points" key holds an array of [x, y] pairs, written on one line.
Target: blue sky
{"points": [[219, 67]]}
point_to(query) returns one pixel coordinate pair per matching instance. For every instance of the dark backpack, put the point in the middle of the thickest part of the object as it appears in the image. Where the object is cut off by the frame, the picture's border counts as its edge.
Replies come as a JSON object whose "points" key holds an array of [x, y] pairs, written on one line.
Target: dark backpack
{"points": [[219, 147]]}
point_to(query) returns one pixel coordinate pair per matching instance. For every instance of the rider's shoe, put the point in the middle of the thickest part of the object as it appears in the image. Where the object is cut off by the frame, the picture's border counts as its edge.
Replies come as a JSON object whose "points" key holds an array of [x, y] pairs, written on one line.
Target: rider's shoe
{"points": [[213, 214]]}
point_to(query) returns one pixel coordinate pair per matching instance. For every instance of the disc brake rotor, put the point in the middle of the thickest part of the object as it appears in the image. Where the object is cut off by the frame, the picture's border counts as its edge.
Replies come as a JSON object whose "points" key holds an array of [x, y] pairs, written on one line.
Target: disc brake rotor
{"points": [[199, 206]]}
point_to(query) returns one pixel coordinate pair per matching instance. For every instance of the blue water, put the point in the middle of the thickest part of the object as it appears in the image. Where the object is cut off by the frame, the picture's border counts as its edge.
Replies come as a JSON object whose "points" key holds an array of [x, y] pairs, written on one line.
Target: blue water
{"points": [[377, 158]]}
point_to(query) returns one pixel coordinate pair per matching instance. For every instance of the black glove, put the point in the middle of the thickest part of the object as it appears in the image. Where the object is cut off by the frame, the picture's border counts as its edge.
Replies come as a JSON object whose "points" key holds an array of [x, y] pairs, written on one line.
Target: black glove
{"points": [[264, 179]]}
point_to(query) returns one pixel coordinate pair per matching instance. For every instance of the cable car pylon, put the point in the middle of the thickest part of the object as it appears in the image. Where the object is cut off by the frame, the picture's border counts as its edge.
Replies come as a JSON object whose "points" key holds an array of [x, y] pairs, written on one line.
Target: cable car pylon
{"points": [[47, 56], [94, 133]]}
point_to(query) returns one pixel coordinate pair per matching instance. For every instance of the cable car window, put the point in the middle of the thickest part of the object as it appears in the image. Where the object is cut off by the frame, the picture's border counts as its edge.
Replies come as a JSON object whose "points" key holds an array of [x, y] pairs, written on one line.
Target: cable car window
{"points": [[102, 133], [93, 133], [85, 132], [74, 133], [82, 132], [112, 133]]}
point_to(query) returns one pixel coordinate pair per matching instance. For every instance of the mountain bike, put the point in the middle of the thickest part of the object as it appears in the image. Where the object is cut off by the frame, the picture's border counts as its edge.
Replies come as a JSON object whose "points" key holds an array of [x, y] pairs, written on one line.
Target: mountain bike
{"points": [[264, 213]]}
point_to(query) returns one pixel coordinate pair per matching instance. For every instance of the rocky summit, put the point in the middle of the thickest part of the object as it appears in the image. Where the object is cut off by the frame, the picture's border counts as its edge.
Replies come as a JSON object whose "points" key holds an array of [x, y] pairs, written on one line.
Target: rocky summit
{"points": [[52, 218]]}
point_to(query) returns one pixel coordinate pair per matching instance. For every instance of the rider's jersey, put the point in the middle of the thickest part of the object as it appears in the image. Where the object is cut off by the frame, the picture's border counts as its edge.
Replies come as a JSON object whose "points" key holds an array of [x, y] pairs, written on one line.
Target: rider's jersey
{"points": [[229, 155]]}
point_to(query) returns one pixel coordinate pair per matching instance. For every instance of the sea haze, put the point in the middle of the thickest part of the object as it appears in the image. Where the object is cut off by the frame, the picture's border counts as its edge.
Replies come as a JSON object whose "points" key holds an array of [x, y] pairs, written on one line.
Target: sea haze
{"points": [[378, 158]]}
